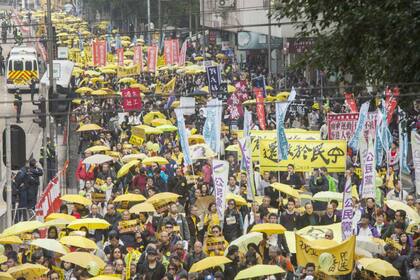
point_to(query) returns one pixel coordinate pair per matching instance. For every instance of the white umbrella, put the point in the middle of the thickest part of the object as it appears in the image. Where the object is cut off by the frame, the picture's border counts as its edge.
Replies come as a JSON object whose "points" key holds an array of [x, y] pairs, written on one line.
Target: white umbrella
{"points": [[328, 196], [97, 159], [372, 245]]}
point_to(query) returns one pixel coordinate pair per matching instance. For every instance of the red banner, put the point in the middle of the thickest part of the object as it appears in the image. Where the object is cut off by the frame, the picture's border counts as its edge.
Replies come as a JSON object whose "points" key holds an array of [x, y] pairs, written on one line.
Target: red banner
{"points": [[102, 53], [175, 51], [138, 57], [351, 102], [392, 104], [95, 52], [120, 55], [259, 95], [342, 126], [168, 52], [152, 53], [131, 99], [183, 54]]}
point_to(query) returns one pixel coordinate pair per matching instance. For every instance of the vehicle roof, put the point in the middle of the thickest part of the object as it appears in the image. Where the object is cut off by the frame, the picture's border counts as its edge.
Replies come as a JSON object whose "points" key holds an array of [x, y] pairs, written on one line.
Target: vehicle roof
{"points": [[23, 57], [23, 50]]}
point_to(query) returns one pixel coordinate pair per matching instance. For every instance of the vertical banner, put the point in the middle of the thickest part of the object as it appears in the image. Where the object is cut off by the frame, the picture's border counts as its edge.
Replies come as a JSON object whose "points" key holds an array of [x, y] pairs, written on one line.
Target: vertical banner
{"points": [[247, 122], [138, 57], [245, 145], [259, 95], [120, 56], [152, 54], [220, 170], [369, 171], [379, 151], [183, 138], [102, 53], [168, 52], [403, 140], [415, 149], [392, 104], [175, 51], [351, 102], [131, 99], [214, 78], [183, 53], [95, 52], [213, 124], [347, 214], [282, 144], [354, 141]]}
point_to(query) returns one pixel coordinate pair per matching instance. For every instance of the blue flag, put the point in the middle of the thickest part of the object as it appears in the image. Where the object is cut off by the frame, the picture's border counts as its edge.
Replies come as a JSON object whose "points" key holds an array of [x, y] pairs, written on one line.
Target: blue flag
{"points": [[282, 143], [355, 139]]}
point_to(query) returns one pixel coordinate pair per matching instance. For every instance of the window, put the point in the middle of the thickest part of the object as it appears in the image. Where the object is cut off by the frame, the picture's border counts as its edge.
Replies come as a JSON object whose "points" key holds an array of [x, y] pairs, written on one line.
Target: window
{"points": [[10, 66], [17, 65], [28, 65], [35, 66]]}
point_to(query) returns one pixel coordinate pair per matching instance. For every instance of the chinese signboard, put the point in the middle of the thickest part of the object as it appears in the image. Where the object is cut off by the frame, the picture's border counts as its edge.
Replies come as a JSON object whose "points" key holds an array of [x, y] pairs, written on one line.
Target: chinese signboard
{"points": [[300, 45], [343, 126], [131, 99], [214, 78]]}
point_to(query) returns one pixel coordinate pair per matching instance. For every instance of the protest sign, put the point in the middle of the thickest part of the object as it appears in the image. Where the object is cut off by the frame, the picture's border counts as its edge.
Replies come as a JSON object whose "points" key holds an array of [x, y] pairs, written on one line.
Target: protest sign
{"points": [[342, 126], [131, 99]]}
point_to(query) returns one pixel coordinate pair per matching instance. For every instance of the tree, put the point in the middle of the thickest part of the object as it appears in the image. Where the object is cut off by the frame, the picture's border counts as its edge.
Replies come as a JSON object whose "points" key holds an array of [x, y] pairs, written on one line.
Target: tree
{"points": [[377, 41]]}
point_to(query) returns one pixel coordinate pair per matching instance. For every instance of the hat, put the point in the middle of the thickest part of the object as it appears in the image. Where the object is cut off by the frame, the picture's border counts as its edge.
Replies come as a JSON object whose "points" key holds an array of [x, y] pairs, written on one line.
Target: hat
{"points": [[151, 251]]}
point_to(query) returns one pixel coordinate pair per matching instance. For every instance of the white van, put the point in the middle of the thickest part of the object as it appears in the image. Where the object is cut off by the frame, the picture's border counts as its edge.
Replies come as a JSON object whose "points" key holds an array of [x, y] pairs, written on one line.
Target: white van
{"points": [[22, 67]]}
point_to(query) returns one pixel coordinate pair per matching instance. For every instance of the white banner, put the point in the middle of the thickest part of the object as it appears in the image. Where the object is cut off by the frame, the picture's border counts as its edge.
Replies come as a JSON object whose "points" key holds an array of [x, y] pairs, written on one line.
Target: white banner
{"points": [[245, 145], [369, 171], [347, 214], [220, 181], [415, 148]]}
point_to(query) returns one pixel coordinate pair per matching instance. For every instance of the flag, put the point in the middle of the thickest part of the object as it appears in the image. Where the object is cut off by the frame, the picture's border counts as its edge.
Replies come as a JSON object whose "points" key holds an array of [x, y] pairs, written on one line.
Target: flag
{"points": [[81, 42], [168, 52], [169, 86], [175, 51], [403, 140], [183, 53], [152, 55], [260, 107], [138, 57], [415, 149], [213, 124], [354, 141], [379, 151], [108, 43], [351, 102], [369, 170], [281, 110], [392, 104], [183, 138], [120, 55], [118, 41], [347, 214], [245, 145], [220, 170]]}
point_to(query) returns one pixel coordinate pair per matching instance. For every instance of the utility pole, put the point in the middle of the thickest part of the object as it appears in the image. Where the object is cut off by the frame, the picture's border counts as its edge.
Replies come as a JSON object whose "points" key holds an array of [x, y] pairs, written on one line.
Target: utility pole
{"points": [[203, 3], [8, 173], [269, 39], [160, 19], [148, 23], [51, 84], [190, 17]]}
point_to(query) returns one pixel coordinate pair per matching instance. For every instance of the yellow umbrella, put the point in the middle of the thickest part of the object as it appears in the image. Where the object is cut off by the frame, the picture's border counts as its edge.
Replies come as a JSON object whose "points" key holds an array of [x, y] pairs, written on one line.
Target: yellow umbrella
{"points": [[131, 197], [205, 89], [126, 168], [250, 102], [22, 227], [6, 276], [108, 71], [127, 80], [12, 239], [201, 151], [163, 197], [220, 55], [158, 160], [75, 198], [129, 53], [149, 117], [239, 200], [379, 266], [28, 271], [82, 259], [83, 90], [141, 87], [3, 259], [105, 277], [160, 122], [92, 73], [268, 228], [268, 88], [96, 149], [97, 79], [60, 223], [152, 130], [285, 189], [398, 205], [130, 157], [198, 58], [233, 148], [89, 223], [142, 207], [328, 196], [167, 128], [259, 270], [50, 245], [79, 242], [99, 92], [243, 241], [196, 139], [89, 127], [231, 89], [125, 43], [209, 262]]}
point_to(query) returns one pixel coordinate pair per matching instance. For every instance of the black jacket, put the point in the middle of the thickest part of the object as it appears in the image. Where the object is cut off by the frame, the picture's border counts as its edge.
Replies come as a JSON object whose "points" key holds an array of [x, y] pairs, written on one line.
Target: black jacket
{"points": [[308, 220], [153, 274]]}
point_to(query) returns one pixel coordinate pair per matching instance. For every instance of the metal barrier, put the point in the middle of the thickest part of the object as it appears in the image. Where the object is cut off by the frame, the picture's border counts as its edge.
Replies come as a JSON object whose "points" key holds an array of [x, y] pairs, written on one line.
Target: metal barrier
{"points": [[18, 215]]}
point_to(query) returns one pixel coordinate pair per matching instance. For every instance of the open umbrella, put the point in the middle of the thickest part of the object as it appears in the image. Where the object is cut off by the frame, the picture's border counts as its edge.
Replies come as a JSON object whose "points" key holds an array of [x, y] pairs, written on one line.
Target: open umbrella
{"points": [[79, 242], [96, 149], [126, 168], [158, 160], [149, 117], [201, 151], [196, 139], [285, 189], [258, 271], [379, 266], [89, 223], [22, 227], [6, 276], [89, 127], [28, 271], [209, 262], [59, 223], [141, 87], [268, 228], [163, 197], [243, 241], [142, 208], [83, 90], [398, 205], [239, 200], [159, 122], [99, 92], [328, 196], [61, 216], [131, 197], [50, 245], [131, 157], [167, 128], [127, 80], [104, 277], [370, 244], [10, 240], [97, 159], [233, 148], [82, 259], [75, 198]]}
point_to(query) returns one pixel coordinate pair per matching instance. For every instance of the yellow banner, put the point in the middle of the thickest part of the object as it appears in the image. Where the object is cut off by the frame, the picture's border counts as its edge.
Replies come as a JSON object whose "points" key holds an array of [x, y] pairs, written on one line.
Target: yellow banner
{"points": [[305, 155], [128, 71], [136, 140], [291, 134], [339, 259]]}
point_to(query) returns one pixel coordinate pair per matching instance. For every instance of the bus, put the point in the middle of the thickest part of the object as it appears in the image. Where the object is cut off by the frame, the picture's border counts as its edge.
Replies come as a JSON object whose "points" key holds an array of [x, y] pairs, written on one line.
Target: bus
{"points": [[22, 67]]}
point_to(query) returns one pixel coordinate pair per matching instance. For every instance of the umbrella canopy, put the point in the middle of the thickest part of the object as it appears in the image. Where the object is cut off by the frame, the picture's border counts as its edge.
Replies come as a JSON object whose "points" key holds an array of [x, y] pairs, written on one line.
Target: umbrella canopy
{"points": [[22, 227], [243, 241], [89, 223], [158, 160], [10, 240], [258, 271], [328, 196], [50, 245], [268, 228], [159, 122], [142, 208], [141, 87], [60, 223], [82, 259], [196, 139], [28, 271], [131, 197], [372, 245], [233, 148], [163, 197], [83, 90], [379, 266], [96, 149], [167, 128], [201, 151], [126, 168], [89, 127], [127, 80], [285, 189], [239, 200], [209, 262], [149, 117], [6, 276], [131, 157], [104, 277], [61, 216], [79, 242], [97, 159], [75, 198], [398, 205], [99, 92]]}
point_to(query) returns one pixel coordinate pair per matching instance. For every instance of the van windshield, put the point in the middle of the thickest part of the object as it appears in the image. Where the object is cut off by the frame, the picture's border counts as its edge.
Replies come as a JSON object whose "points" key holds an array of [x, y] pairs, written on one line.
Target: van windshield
{"points": [[35, 66], [17, 65], [28, 65]]}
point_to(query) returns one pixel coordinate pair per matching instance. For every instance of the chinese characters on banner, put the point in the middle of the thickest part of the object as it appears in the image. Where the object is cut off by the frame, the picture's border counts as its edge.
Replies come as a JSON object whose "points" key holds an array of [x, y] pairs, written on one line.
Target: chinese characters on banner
{"points": [[347, 214], [183, 53], [259, 95], [131, 99], [152, 54], [138, 57], [213, 124], [214, 78], [351, 102], [305, 155], [415, 142], [128, 71], [244, 144], [234, 105], [95, 52], [168, 52], [175, 51], [220, 182], [120, 56], [342, 126], [369, 170], [99, 53]]}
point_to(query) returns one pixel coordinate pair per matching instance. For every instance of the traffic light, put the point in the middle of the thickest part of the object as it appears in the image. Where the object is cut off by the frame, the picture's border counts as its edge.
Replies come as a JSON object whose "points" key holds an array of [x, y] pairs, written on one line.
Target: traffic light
{"points": [[41, 118], [18, 147]]}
